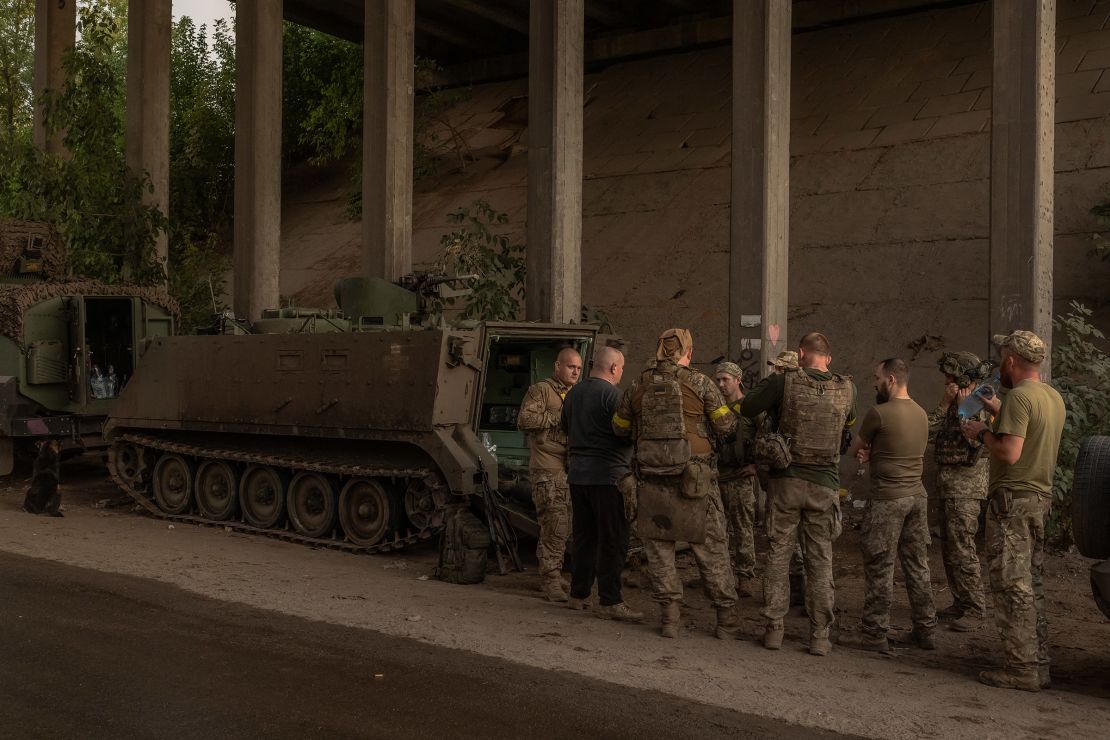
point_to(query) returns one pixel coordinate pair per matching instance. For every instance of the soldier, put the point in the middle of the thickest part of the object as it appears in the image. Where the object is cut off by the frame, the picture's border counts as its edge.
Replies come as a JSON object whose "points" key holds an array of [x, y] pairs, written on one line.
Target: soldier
{"points": [[813, 406], [962, 474], [738, 481], [539, 417], [788, 360], [673, 413], [893, 438], [1023, 447]]}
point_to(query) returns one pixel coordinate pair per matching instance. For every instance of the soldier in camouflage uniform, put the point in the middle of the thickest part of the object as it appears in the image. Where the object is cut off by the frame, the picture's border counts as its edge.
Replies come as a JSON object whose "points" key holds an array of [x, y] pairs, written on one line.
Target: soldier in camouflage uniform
{"points": [[738, 481], [786, 361], [674, 414], [539, 417], [962, 473], [1023, 445], [813, 406], [893, 438]]}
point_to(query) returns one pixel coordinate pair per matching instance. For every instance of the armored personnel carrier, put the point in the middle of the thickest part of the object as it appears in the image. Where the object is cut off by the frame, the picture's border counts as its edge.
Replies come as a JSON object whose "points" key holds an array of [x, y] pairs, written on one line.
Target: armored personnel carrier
{"points": [[67, 346], [351, 429]]}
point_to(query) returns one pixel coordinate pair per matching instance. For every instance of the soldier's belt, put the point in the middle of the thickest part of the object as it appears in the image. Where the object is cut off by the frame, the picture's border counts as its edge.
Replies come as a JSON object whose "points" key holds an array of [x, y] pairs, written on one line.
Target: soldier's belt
{"points": [[1003, 491]]}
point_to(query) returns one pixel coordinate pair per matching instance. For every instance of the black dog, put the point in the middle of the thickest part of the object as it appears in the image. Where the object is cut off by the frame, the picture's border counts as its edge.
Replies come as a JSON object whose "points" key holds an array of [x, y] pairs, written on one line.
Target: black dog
{"points": [[44, 497]]}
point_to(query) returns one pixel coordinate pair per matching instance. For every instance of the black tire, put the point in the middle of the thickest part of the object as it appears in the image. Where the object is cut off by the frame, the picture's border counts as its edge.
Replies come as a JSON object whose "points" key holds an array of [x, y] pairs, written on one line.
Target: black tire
{"points": [[217, 490], [312, 504], [173, 484], [1090, 498], [368, 511], [262, 496]]}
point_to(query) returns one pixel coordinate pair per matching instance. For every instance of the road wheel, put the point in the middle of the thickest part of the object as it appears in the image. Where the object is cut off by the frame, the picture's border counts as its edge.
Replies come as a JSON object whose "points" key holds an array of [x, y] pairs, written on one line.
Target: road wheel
{"points": [[173, 484], [217, 490], [367, 511], [262, 496], [1090, 498], [312, 504], [424, 498]]}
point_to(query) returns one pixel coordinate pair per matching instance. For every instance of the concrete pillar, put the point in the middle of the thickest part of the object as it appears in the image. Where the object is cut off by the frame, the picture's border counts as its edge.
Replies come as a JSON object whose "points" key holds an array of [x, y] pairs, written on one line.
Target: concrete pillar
{"points": [[388, 65], [148, 100], [55, 31], [760, 202], [1022, 131], [554, 248], [257, 249]]}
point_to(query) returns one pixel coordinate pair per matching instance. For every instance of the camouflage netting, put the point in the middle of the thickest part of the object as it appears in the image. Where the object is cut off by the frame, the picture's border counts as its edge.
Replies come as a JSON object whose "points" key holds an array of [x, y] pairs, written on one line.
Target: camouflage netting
{"points": [[16, 298], [17, 236]]}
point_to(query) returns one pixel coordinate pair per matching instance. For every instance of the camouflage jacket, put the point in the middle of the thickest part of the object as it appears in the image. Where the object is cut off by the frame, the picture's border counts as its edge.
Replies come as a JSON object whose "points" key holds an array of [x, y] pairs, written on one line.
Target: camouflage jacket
{"points": [[950, 447], [539, 418], [706, 417]]}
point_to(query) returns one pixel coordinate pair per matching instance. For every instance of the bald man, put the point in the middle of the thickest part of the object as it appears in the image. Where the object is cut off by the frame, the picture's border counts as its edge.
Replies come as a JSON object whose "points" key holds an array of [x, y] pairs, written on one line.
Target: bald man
{"points": [[540, 418], [596, 460]]}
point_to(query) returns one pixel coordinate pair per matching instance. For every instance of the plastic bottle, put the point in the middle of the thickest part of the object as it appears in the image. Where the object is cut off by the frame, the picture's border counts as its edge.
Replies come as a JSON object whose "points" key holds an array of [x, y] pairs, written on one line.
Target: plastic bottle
{"points": [[110, 386], [973, 404]]}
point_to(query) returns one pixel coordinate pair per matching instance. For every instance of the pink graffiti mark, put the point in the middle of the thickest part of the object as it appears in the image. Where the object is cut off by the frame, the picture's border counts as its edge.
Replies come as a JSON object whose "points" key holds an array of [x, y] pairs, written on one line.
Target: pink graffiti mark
{"points": [[773, 334]]}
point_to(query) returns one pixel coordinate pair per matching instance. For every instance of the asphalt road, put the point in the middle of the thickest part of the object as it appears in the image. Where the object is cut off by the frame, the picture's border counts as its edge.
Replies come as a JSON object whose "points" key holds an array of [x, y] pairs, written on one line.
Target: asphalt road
{"points": [[89, 654]]}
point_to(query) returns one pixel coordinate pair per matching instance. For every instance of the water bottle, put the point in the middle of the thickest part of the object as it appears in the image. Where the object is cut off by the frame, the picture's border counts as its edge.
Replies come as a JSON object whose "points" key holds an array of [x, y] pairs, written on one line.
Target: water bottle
{"points": [[487, 442], [110, 386], [973, 404]]}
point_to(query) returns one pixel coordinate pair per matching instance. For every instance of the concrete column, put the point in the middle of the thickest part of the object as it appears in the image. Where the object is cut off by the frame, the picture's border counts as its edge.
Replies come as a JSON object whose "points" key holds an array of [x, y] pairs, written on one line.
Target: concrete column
{"points": [[760, 203], [148, 100], [554, 248], [1022, 131], [388, 65], [55, 30], [257, 249]]}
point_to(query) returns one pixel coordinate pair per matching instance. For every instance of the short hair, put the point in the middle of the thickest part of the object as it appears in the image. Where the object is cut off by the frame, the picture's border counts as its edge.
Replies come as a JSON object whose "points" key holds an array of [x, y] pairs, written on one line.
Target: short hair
{"points": [[815, 341], [897, 367]]}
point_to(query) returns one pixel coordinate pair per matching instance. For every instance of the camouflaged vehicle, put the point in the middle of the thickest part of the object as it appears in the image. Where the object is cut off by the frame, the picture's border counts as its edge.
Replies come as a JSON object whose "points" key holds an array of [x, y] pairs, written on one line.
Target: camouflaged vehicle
{"points": [[352, 428], [66, 346]]}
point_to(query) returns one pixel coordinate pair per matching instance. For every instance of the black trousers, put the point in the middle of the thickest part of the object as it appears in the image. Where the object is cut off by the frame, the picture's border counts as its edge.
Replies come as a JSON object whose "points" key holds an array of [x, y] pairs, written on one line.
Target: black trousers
{"points": [[600, 540]]}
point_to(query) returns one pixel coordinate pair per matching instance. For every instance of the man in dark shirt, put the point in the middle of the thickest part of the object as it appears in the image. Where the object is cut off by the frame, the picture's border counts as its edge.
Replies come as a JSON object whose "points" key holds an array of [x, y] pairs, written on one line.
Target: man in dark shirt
{"points": [[596, 460], [892, 439]]}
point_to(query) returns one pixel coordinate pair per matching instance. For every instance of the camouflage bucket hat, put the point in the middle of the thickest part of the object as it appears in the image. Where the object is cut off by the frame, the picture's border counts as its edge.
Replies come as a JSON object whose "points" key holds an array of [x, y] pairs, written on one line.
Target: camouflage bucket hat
{"points": [[787, 359], [965, 367], [1023, 343]]}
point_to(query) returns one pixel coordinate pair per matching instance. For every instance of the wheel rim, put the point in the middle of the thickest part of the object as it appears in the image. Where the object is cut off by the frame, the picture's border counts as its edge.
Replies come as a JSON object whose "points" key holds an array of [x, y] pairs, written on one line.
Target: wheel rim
{"points": [[216, 490], [173, 484], [131, 463], [312, 504], [421, 506], [365, 511], [262, 496]]}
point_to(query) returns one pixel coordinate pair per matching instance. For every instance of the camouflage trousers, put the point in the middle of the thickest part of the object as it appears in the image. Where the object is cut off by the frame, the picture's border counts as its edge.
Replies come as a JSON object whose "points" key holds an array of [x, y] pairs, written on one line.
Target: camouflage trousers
{"points": [[551, 495], [738, 496], [896, 528], [1015, 562], [711, 556], [799, 509], [960, 524]]}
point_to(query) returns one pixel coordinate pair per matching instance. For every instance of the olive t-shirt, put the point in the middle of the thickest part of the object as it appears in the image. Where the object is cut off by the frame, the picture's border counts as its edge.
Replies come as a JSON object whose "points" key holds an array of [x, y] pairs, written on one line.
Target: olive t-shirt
{"points": [[1034, 411], [898, 432]]}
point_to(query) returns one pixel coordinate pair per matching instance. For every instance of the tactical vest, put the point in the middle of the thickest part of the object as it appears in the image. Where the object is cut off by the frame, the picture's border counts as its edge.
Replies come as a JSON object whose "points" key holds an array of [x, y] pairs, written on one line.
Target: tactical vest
{"points": [[464, 548], [556, 436], [951, 446], [668, 431], [813, 416], [733, 454]]}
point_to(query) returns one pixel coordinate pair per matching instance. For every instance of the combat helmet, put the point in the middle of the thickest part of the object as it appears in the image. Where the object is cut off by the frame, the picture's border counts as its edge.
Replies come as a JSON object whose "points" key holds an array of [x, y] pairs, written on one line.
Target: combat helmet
{"points": [[965, 367]]}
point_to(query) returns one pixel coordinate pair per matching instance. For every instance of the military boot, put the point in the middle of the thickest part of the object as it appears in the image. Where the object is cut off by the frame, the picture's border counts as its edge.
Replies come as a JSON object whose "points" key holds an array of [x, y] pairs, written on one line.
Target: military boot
{"points": [[772, 636], [553, 588], [728, 624], [1005, 679], [619, 612], [952, 611], [876, 644], [669, 616], [744, 587], [580, 605], [926, 639], [819, 643], [967, 622]]}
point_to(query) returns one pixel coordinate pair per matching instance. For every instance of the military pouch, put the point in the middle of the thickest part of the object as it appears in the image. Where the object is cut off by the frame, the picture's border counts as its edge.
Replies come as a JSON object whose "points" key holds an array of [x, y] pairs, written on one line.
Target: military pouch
{"points": [[663, 514], [662, 456], [772, 449], [630, 490], [697, 479]]}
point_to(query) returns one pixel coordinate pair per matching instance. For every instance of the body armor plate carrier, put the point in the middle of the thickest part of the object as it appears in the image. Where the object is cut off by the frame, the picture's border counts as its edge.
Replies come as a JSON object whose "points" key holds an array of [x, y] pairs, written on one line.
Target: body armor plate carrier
{"points": [[951, 446], [813, 416]]}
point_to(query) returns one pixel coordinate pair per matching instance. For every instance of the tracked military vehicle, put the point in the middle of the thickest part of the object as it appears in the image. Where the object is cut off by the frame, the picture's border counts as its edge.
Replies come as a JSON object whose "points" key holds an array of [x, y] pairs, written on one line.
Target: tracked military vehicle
{"points": [[66, 346], [352, 428]]}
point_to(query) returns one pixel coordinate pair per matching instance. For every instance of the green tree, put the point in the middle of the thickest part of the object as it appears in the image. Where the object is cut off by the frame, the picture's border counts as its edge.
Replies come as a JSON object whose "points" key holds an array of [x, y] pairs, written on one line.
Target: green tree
{"points": [[90, 194], [477, 247], [17, 22]]}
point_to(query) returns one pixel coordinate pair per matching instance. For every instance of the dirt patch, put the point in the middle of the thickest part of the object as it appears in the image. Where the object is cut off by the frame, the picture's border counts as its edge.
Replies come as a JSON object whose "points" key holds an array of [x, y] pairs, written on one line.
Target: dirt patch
{"points": [[913, 693]]}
